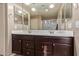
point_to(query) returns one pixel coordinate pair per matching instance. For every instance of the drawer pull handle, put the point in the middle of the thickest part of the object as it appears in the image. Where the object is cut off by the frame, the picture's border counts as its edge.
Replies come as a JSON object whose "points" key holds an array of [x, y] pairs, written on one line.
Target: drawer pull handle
{"points": [[27, 52], [27, 44], [19, 40], [53, 44], [42, 46]]}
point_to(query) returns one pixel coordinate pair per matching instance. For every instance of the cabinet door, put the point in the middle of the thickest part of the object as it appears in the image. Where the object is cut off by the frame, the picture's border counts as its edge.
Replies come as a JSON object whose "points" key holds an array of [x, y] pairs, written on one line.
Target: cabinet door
{"points": [[62, 49], [28, 52], [16, 46], [43, 46], [28, 42], [28, 46]]}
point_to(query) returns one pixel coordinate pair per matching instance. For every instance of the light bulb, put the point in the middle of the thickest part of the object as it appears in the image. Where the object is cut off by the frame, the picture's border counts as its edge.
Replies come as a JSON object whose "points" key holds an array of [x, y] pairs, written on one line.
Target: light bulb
{"points": [[51, 6], [33, 9]]}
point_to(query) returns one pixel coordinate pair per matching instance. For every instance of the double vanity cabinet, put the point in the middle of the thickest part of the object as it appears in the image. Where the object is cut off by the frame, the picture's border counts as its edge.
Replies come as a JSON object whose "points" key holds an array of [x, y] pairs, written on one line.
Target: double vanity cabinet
{"points": [[38, 45]]}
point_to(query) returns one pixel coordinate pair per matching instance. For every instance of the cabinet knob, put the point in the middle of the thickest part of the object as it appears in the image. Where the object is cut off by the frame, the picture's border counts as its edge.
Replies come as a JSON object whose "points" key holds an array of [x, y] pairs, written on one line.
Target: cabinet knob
{"points": [[53, 44], [42, 46], [28, 52], [19, 40], [27, 44]]}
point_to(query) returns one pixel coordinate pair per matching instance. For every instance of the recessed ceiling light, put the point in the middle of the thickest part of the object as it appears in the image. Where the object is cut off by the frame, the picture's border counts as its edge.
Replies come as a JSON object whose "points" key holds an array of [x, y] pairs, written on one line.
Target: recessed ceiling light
{"points": [[27, 3], [51, 6], [46, 10], [20, 11], [33, 9]]}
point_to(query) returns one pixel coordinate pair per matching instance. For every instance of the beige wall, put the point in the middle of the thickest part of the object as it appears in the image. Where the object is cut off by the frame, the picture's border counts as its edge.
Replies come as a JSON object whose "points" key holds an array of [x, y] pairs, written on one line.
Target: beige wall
{"points": [[36, 23], [75, 18], [3, 30], [6, 26], [10, 26]]}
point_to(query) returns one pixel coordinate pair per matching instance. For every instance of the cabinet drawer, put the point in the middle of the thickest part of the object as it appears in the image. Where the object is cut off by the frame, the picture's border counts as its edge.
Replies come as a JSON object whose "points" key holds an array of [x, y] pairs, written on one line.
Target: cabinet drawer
{"points": [[63, 40], [28, 40], [28, 52], [28, 44], [28, 37], [14, 36]]}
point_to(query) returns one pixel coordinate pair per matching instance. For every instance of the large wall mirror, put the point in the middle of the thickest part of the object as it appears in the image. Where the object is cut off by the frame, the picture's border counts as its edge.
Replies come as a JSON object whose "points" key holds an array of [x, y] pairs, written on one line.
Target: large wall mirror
{"points": [[43, 16]]}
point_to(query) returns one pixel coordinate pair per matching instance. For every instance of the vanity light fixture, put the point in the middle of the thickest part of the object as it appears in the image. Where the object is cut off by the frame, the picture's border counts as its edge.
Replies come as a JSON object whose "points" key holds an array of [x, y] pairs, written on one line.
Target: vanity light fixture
{"points": [[51, 6], [46, 10], [33, 9]]}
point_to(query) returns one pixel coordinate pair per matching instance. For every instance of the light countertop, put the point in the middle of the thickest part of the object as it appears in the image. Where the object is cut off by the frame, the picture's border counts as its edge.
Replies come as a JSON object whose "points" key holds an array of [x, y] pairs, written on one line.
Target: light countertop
{"points": [[45, 32]]}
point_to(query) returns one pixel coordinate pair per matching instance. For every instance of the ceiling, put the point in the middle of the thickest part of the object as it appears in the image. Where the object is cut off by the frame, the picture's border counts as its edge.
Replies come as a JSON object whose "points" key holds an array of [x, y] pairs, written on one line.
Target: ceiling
{"points": [[40, 9]]}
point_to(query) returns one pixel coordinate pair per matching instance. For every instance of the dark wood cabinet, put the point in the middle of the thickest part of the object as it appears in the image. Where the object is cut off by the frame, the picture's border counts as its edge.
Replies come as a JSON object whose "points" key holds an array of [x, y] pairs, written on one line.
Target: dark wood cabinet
{"points": [[28, 52], [23, 45], [16, 46], [28, 46], [62, 50], [63, 46], [43, 46], [35, 45]]}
